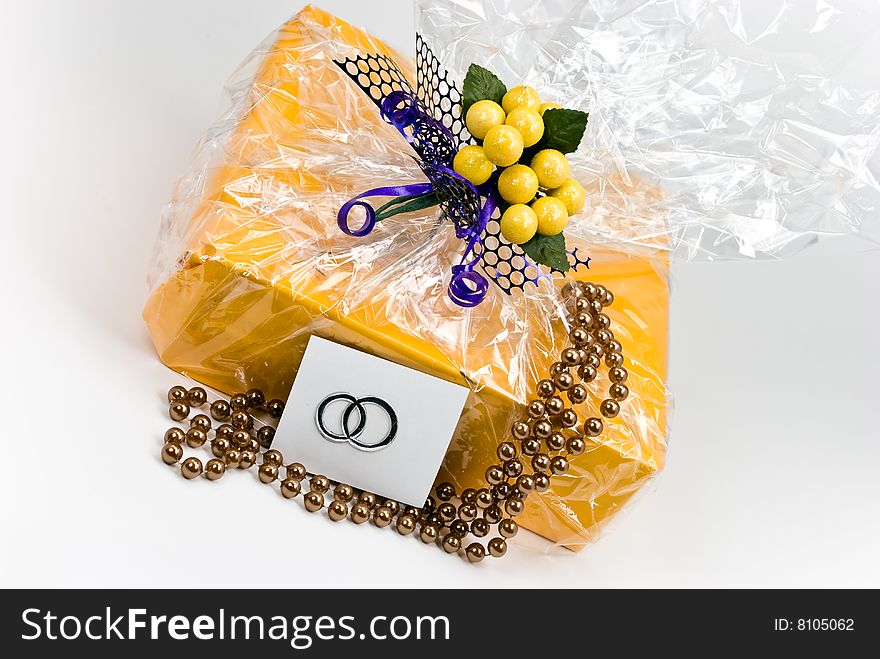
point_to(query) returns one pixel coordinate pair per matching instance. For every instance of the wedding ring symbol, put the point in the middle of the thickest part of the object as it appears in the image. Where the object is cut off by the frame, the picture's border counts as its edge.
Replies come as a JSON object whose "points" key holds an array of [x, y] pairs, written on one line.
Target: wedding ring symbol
{"points": [[353, 420]]}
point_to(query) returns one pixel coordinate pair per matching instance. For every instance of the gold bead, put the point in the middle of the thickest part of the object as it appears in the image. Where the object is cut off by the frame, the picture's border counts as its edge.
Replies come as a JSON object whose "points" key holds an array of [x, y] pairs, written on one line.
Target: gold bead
{"points": [[275, 408], [497, 547], [494, 475], [446, 511], [618, 391], [512, 468], [520, 430], [590, 290], [267, 473], [609, 408], [576, 445], [195, 438], [593, 360], [617, 374], [343, 492], [587, 373], [336, 510], [593, 427], [214, 469], [541, 462], [493, 514], [556, 368], [543, 429], [219, 446], [394, 507], [191, 468], [577, 394], [319, 484], [445, 491], [238, 402], [558, 465], [525, 483], [412, 512], [542, 482], [556, 441], [480, 527], [484, 498], [571, 357], [360, 513], [602, 321], [563, 381], [406, 524], [290, 488], [429, 534], [536, 409], [225, 431], [368, 499], [313, 501], [459, 528], [608, 299], [475, 552], [506, 450], [248, 460], [596, 349], [469, 495], [171, 453], [531, 445], [578, 337], [178, 410], [514, 507], [273, 457], [255, 398], [240, 438], [568, 418], [196, 397], [176, 393], [252, 445], [508, 528], [451, 543], [175, 435], [584, 319], [545, 388], [501, 491], [596, 307], [382, 517], [201, 422], [241, 419], [232, 458], [604, 337], [467, 512], [614, 346], [221, 410], [296, 471], [554, 405], [265, 436], [581, 305], [613, 360]]}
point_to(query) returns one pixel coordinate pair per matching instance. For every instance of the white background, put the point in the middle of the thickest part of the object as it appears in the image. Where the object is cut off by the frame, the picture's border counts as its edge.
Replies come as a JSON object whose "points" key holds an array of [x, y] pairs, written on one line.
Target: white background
{"points": [[772, 477]]}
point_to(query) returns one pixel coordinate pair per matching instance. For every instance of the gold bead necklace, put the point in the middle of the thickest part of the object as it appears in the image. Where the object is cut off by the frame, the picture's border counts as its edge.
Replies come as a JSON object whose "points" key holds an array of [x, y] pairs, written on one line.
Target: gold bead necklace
{"points": [[540, 448]]}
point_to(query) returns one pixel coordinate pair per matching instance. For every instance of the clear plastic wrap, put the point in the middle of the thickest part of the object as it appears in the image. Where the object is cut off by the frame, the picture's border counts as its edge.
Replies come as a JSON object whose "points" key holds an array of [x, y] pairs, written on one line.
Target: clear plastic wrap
{"points": [[688, 149]]}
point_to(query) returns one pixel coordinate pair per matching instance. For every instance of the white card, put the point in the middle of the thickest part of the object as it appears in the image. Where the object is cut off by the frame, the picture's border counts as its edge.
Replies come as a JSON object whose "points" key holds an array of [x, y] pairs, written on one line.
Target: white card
{"points": [[373, 392]]}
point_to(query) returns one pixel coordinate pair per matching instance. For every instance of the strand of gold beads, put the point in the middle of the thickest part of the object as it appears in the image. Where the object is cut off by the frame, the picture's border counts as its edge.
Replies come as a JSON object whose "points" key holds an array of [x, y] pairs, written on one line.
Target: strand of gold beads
{"points": [[544, 441]]}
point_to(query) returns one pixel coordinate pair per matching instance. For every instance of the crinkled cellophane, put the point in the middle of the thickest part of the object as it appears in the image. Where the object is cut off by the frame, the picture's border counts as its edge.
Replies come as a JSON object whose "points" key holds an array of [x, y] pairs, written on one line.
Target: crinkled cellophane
{"points": [[251, 262]]}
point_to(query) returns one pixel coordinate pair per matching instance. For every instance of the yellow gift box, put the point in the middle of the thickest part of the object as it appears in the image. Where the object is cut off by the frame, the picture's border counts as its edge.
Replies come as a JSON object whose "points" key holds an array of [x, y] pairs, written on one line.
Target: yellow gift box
{"points": [[252, 263]]}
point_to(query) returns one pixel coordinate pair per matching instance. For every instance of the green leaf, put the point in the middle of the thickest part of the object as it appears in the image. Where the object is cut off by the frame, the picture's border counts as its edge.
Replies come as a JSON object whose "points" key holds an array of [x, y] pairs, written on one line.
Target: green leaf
{"points": [[548, 250], [563, 129], [406, 204], [479, 85]]}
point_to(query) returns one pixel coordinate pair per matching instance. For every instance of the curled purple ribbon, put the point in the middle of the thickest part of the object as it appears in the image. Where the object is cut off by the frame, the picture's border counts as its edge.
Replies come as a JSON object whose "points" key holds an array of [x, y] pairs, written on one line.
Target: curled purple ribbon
{"points": [[436, 145]]}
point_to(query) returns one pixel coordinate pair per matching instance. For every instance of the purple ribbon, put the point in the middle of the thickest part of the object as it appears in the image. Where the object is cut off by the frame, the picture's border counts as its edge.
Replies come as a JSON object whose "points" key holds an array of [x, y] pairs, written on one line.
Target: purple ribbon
{"points": [[467, 288]]}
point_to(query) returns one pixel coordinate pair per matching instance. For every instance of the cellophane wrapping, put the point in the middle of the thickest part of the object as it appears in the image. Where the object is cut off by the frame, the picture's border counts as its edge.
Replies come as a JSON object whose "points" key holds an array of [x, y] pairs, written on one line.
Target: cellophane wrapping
{"points": [[706, 139]]}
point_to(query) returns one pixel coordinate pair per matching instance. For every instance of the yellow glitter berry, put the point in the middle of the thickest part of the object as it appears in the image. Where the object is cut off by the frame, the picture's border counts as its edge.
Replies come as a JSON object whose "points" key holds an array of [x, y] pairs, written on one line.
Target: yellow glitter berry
{"points": [[552, 168], [572, 194], [503, 145], [518, 184], [547, 106], [551, 214], [472, 163], [482, 116], [528, 123], [521, 96], [519, 224]]}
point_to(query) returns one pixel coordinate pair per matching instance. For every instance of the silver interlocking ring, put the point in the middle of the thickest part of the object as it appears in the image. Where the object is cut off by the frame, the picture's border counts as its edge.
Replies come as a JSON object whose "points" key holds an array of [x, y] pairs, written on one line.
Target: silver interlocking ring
{"points": [[350, 431]]}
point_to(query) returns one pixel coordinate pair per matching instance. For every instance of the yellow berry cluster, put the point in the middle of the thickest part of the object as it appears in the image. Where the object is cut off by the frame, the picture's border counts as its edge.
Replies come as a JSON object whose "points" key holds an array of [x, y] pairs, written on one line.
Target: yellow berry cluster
{"points": [[505, 131]]}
